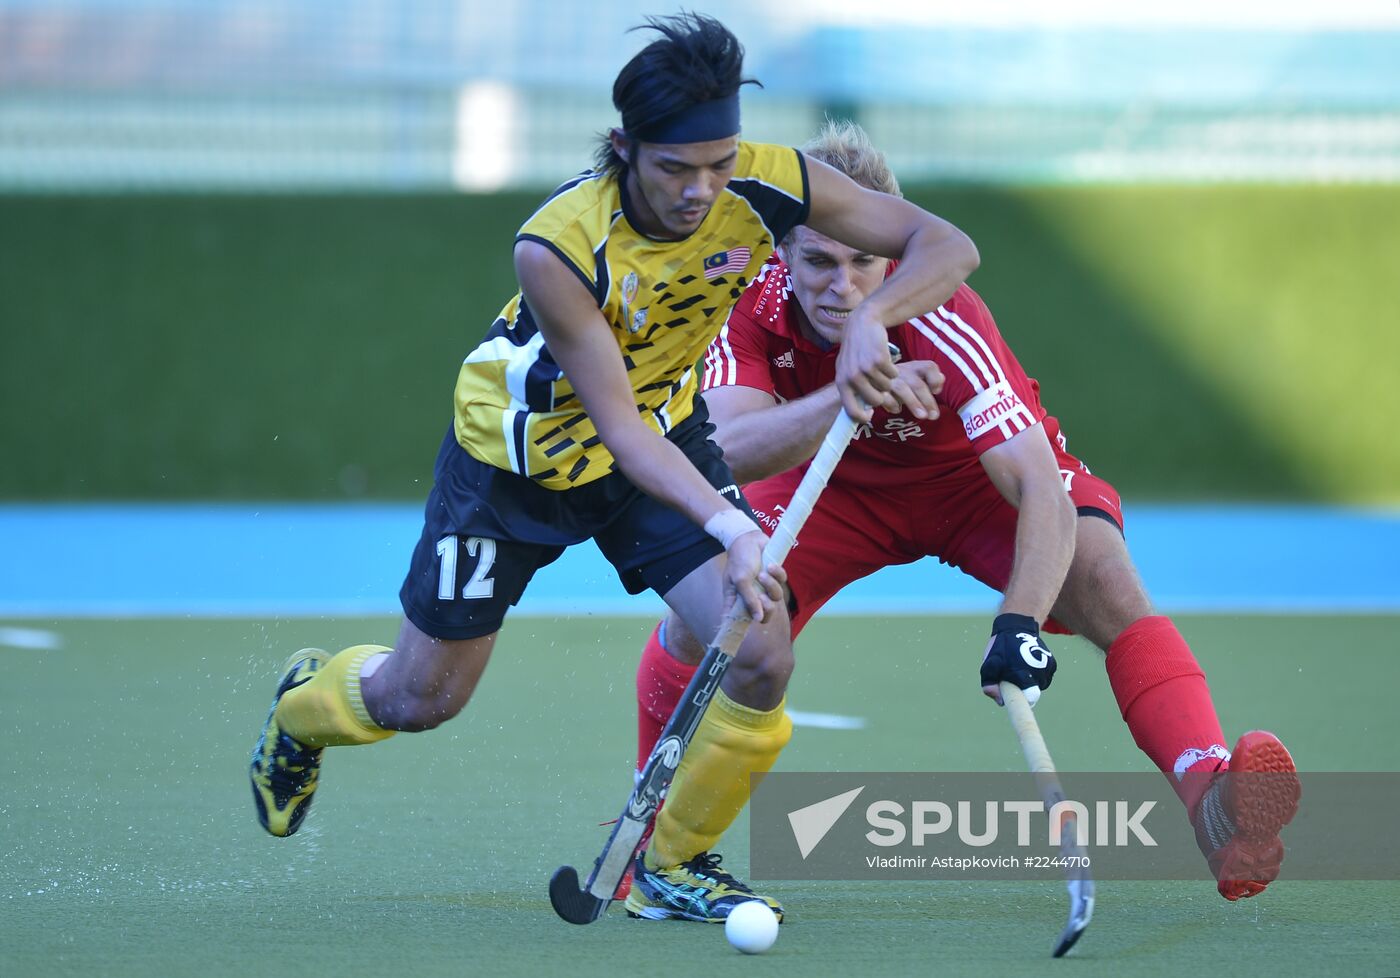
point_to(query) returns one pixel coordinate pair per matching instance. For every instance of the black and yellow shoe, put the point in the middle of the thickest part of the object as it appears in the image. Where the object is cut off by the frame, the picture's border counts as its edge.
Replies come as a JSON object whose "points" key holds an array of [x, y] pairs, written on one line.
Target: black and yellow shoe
{"points": [[283, 771], [695, 890]]}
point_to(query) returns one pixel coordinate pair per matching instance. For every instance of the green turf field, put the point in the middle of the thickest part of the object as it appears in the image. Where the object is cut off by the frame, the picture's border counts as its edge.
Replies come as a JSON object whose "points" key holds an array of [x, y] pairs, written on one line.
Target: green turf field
{"points": [[130, 845]]}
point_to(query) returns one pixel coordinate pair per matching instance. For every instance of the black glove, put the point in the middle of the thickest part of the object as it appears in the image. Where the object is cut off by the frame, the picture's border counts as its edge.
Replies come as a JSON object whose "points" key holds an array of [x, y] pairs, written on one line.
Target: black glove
{"points": [[1015, 655]]}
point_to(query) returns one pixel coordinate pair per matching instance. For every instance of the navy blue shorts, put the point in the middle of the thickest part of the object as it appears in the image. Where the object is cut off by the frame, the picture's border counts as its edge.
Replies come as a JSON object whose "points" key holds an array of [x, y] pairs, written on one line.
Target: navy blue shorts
{"points": [[486, 531]]}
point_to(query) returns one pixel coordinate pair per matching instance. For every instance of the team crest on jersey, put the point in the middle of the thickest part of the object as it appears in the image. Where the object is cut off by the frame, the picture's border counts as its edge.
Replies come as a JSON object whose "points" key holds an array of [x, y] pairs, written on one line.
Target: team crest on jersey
{"points": [[895, 429], [634, 320], [726, 262]]}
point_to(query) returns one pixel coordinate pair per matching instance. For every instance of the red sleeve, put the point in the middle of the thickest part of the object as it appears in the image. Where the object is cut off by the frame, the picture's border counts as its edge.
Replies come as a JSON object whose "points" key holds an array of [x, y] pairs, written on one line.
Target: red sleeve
{"points": [[982, 379], [738, 356]]}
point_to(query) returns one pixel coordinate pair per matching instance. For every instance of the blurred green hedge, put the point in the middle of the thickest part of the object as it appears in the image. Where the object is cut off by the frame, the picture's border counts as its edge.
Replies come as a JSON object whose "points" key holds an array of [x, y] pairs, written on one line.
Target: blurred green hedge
{"points": [[1230, 342]]}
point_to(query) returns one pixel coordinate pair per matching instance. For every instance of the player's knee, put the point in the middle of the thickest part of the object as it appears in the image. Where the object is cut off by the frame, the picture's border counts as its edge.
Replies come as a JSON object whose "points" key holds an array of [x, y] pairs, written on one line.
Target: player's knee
{"points": [[760, 672], [680, 642], [413, 713], [760, 690]]}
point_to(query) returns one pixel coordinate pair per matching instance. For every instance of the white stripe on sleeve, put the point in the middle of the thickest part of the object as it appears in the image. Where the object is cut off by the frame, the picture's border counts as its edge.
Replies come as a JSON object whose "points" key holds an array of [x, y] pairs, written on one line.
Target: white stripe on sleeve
{"points": [[990, 371], [972, 376], [961, 324], [721, 366]]}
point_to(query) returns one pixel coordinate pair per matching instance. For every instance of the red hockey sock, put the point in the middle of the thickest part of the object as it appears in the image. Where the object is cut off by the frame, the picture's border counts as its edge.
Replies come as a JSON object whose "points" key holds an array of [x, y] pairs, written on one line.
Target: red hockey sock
{"points": [[1164, 698], [661, 680]]}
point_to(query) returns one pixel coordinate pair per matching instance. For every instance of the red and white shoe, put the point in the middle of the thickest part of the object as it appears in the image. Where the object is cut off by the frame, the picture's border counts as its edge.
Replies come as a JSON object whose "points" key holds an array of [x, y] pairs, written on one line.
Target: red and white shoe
{"points": [[1240, 815]]}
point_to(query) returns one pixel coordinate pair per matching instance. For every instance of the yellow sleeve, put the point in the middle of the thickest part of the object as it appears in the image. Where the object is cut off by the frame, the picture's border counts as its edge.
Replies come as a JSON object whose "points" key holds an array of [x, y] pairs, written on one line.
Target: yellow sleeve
{"points": [[773, 179], [573, 223]]}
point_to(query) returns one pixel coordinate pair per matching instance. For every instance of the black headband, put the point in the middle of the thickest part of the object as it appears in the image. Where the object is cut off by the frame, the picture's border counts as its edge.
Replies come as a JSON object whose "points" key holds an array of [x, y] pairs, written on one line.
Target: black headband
{"points": [[700, 123]]}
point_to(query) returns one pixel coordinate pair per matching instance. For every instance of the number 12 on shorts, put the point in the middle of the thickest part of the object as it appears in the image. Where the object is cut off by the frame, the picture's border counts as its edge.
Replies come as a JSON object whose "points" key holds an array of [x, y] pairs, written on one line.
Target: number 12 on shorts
{"points": [[480, 584]]}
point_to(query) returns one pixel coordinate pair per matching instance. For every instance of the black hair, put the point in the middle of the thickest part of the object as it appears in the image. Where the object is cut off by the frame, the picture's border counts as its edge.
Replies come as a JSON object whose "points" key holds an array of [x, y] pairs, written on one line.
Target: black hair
{"points": [[697, 59]]}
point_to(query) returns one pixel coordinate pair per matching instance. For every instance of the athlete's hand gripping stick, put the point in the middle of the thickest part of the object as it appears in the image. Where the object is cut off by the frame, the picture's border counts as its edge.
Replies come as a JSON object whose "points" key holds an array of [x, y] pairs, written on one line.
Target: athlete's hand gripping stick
{"points": [[1016, 655]]}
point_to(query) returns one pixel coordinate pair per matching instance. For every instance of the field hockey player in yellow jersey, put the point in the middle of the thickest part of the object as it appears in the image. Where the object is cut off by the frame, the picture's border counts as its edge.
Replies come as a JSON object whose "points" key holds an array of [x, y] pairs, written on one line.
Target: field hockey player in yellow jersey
{"points": [[577, 418]]}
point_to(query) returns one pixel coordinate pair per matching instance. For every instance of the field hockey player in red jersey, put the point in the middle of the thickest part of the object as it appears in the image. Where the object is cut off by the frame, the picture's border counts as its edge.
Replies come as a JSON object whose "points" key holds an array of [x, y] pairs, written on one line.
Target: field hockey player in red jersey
{"points": [[984, 483]]}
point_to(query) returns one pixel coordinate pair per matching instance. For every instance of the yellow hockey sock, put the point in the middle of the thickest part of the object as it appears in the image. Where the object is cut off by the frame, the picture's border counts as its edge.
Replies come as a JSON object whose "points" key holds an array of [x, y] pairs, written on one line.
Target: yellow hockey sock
{"points": [[711, 786], [329, 710]]}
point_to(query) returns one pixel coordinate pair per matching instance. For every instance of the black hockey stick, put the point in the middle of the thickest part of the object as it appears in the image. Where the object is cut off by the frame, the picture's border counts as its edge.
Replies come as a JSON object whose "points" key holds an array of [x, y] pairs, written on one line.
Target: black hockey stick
{"points": [[583, 905]]}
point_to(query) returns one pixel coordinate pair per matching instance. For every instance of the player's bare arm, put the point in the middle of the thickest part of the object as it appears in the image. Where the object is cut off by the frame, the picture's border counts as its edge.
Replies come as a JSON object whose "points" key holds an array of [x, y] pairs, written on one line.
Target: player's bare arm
{"points": [[582, 345], [1025, 472], [935, 257], [761, 437]]}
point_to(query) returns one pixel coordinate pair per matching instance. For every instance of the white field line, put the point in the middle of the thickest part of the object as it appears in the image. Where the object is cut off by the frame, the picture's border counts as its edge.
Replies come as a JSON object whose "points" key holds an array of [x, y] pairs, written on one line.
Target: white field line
{"points": [[30, 638], [826, 721]]}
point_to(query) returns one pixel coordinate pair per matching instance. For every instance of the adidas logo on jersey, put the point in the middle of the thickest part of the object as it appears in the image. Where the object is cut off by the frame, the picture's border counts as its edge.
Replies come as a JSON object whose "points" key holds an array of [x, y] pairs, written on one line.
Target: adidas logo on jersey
{"points": [[783, 361]]}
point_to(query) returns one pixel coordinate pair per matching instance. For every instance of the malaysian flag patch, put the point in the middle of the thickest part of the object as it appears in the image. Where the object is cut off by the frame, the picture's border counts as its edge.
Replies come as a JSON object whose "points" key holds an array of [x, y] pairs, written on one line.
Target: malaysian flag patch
{"points": [[725, 262]]}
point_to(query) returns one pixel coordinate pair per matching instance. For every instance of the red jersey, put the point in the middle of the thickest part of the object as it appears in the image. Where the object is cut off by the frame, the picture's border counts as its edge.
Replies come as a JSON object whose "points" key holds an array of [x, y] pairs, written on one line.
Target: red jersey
{"points": [[986, 398]]}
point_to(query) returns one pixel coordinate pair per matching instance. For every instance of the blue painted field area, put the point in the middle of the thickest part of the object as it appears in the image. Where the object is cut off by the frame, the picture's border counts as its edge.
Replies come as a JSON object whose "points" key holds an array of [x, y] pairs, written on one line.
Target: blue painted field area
{"points": [[214, 560]]}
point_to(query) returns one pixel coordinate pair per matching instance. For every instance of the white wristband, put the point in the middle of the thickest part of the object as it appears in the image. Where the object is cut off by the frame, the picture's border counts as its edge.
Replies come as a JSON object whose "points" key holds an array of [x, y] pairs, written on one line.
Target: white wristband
{"points": [[728, 525]]}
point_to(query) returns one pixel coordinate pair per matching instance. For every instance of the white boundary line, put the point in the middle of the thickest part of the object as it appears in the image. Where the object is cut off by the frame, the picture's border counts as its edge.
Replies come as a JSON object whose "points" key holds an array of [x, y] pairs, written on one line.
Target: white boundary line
{"points": [[30, 638], [825, 721]]}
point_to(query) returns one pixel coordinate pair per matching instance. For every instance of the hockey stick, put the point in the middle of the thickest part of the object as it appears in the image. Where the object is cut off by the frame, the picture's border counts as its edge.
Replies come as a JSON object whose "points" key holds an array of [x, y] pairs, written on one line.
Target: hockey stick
{"points": [[1078, 880], [585, 905]]}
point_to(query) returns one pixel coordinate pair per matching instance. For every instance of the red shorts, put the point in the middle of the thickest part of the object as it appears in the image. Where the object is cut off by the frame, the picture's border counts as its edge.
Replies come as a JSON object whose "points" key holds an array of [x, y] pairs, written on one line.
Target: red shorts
{"points": [[855, 531]]}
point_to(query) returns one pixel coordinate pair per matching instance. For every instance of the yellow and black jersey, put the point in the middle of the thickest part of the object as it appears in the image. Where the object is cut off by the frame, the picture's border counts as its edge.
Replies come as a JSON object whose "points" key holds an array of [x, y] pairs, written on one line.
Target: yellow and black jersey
{"points": [[665, 301]]}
